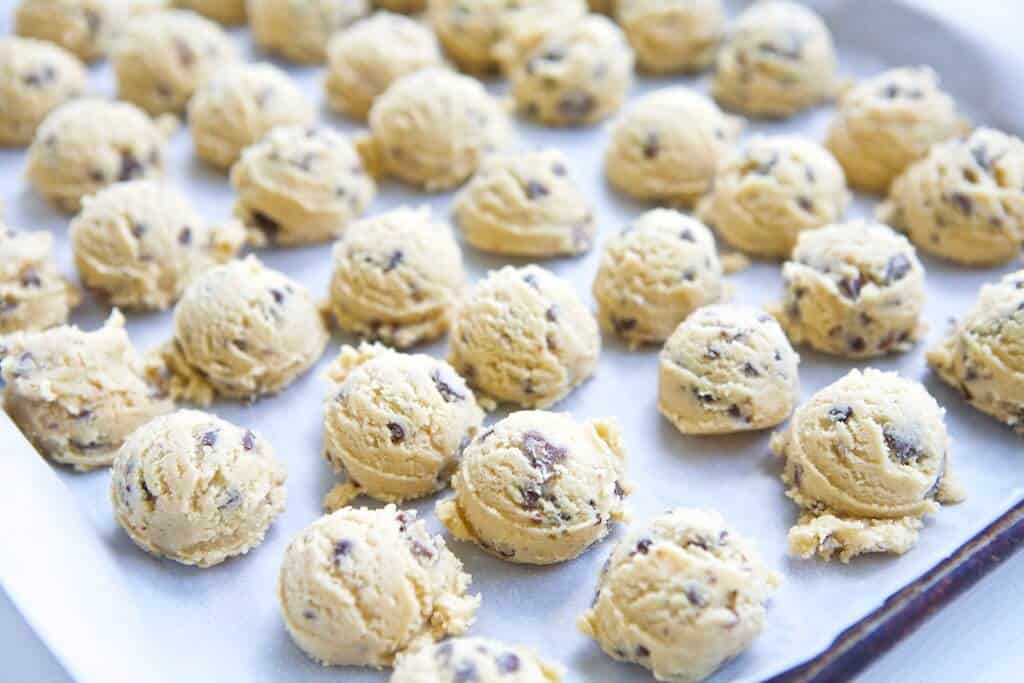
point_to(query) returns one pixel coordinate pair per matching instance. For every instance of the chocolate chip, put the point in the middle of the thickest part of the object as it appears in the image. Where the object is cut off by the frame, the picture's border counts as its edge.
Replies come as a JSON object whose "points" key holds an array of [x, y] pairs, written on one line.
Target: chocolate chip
{"points": [[858, 344], [962, 202], [686, 235], [248, 440], [396, 257], [41, 76], [185, 236], [448, 393], [209, 438], [652, 145], [703, 396], [558, 168], [768, 166], [643, 545], [531, 280], [186, 55], [265, 224], [507, 663], [25, 365], [851, 287], [805, 204], [30, 280], [695, 596], [541, 453], [552, 313], [623, 325], [232, 499], [576, 105], [904, 446], [535, 189], [642, 651], [465, 672], [531, 496], [148, 495], [750, 371], [840, 413], [130, 167], [342, 548], [278, 296], [897, 268], [734, 411], [421, 550], [397, 432]]}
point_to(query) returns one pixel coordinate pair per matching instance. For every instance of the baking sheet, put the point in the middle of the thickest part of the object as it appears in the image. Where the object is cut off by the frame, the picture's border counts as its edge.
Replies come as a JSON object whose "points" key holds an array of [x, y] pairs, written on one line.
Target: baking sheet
{"points": [[110, 611]]}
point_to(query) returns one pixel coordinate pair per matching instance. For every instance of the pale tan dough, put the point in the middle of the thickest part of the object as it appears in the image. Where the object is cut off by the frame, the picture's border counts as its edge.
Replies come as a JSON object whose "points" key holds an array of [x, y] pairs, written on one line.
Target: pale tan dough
{"points": [[479, 660], [432, 129], [867, 456], [854, 289], [299, 30], [85, 145], [395, 424], [241, 331], [964, 202], [667, 146], [672, 36], [539, 487], [358, 587], [300, 186], [33, 293], [195, 488], [229, 12], [764, 195], [525, 204], [397, 277], [36, 77], [140, 243], [83, 27], [680, 596], [406, 6], [523, 336], [78, 395], [983, 354], [777, 59], [887, 122], [238, 105]]}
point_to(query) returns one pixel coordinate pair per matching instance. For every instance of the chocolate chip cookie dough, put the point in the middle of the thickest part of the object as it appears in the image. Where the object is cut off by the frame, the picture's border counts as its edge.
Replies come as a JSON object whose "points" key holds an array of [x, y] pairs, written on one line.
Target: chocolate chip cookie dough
{"points": [[195, 488], [82, 27], [357, 562], [33, 293], [480, 660], [299, 30], [538, 487], [672, 36], [680, 596], [865, 458], [229, 12], [36, 77]]}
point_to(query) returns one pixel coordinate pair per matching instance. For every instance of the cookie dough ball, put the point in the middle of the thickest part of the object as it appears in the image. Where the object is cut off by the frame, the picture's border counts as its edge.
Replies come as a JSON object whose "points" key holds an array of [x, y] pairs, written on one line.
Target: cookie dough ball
{"points": [[366, 58], [33, 293], [523, 336], [140, 243], [77, 395], [241, 331], [474, 659], [395, 424], [195, 488], [384, 563], [85, 145], [406, 6], [36, 77], [397, 278], [865, 457], [983, 355], [680, 596], [672, 36], [82, 27], [300, 186], [885, 123], [538, 487], [433, 128], [667, 146], [228, 12], [299, 30], [964, 202], [527, 205], [777, 60], [763, 196], [238, 105]]}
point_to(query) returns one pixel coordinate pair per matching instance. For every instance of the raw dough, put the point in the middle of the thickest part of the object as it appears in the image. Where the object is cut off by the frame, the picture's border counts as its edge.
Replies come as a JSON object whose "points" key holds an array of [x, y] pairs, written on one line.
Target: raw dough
{"points": [[660, 269], [538, 487], [672, 36], [241, 331], [366, 58], [432, 129], [525, 204], [406, 6], [777, 60], [140, 243], [397, 278], [853, 289], [83, 27], [88, 144], [33, 293], [195, 488], [667, 146], [963, 202], [77, 395], [479, 660], [300, 186], [238, 105], [35, 78], [602, 6], [228, 12], [680, 596], [727, 369], [523, 336], [299, 30], [887, 122], [983, 355], [359, 586], [395, 424], [765, 195], [867, 456]]}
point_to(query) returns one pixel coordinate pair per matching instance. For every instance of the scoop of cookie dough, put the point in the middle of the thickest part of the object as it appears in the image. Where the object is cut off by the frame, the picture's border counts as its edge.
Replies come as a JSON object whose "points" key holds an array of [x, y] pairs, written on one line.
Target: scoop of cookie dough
{"points": [[195, 488], [868, 455], [85, 145], [963, 202], [35, 78], [83, 27], [777, 59], [480, 660], [538, 487], [77, 395], [680, 596], [300, 186], [525, 204], [228, 12], [140, 243], [238, 105], [397, 278], [672, 36], [763, 196], [358, 562], [33, 293], [299, 30], [885, 123], [432, 129], [523, 336]]}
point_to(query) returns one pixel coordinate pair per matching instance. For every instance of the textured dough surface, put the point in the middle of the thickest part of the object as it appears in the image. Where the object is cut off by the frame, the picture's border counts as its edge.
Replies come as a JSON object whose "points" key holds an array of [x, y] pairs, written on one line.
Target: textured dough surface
{"points": [[299, 30], [33, 293], [672, 36], [228, 12], [480, 660], [83, 27], [405, 6], [35, 78]]}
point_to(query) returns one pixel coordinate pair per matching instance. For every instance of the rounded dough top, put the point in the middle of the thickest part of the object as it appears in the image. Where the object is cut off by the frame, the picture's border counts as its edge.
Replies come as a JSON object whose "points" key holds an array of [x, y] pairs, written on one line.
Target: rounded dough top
{"points": [[35, 78], [480, 660], [33, 293]]}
